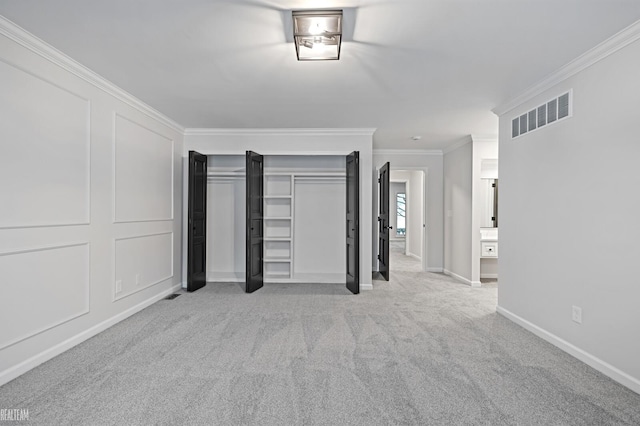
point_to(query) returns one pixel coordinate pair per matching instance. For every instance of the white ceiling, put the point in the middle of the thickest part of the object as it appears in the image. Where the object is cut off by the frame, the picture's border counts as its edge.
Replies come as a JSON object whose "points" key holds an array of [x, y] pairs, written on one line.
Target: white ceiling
{"points": [[434, 68]]}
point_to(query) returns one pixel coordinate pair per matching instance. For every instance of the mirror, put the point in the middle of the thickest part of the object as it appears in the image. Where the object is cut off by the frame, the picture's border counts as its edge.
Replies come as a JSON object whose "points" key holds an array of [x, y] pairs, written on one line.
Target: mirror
{"points": [[489, 197], [401, 202]]}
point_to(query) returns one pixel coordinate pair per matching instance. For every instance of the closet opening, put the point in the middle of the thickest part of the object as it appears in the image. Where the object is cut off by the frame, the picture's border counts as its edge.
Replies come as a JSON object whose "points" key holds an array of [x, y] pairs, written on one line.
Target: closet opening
{"points": [[291, 228]]}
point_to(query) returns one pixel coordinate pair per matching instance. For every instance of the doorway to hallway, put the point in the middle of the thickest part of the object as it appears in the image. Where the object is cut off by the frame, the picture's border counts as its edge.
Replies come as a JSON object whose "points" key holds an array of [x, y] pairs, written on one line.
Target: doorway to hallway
{"points": [[400, 261]]}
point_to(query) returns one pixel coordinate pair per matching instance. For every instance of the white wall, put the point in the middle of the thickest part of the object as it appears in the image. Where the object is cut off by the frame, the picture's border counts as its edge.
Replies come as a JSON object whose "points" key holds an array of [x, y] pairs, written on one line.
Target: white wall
{"points": [[90, 187], [458, 178], [226, 225], [569, 227], [415, 214], [300, 142], [319, 236], [431, 163]]}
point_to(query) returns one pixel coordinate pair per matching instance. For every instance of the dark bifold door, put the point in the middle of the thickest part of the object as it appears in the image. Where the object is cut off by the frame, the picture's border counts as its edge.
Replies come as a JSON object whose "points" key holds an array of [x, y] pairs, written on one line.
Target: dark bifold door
{"points": [[197, 232], [255, 223], [383, 223], [353, 224]]}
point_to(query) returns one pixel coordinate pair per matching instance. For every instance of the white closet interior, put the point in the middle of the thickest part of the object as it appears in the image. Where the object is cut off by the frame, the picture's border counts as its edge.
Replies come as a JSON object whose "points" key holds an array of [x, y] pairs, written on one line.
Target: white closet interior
{"points": [[304, 218]]}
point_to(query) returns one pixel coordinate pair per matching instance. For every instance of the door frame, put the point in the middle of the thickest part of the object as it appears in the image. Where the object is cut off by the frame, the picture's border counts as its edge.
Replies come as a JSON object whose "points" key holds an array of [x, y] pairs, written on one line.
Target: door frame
{"points": [[425, 174]]}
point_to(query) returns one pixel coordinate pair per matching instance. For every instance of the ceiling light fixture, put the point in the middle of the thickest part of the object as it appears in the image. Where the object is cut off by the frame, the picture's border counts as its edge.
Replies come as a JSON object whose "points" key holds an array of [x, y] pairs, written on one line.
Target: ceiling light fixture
{"points": [[317, 34]]}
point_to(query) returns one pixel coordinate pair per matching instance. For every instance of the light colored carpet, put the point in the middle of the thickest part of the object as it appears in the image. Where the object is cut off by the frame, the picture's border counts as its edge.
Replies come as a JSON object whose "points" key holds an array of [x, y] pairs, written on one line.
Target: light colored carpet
{"points": [[419, 349], [399, 261]]}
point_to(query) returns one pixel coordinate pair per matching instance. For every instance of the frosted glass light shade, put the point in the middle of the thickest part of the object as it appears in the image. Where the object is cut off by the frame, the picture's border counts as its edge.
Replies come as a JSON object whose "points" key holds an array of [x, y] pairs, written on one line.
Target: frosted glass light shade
{"points": [[317, 34]]}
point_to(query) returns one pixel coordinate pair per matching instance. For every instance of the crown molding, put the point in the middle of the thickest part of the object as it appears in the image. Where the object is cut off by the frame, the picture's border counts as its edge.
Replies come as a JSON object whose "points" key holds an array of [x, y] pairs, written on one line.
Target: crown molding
{"points": [[279, 132], [407, 152], [466, 140], [582, 62], [53, 55], [484, 138]]}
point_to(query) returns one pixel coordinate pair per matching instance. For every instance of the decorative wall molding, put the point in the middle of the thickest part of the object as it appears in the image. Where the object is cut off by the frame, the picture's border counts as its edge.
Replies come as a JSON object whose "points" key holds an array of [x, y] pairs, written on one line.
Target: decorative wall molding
{"points": [[87, 285], [116, 296], [53, 55], [7, 375], [86, 220], [605, 368], [279, 132], [114, 143], [582, 62]]}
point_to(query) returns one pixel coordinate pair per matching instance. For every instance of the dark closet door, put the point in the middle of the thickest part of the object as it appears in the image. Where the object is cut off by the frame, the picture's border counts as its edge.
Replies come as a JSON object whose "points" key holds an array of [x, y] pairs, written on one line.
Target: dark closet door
{"points": [[383, 223], [353, 222], [255, 222], [197, 217]]}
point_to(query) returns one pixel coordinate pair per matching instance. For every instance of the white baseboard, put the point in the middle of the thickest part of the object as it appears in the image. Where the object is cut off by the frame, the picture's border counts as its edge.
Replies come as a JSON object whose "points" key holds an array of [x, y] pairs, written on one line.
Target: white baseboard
{"points": [[592, 361], [462, 279], [438, 270], [7, 375], [490, 276], [366, 287], [415, 256]]}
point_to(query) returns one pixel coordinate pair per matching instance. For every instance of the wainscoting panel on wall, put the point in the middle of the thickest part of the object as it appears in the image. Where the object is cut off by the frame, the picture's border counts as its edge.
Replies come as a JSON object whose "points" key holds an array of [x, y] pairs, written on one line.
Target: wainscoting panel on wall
{"points": [[45, 162], [141, 262], [143, 173], [37, 299]]}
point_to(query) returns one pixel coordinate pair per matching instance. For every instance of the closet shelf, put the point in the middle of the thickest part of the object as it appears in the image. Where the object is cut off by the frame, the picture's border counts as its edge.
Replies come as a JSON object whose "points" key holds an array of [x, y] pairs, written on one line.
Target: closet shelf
{"points": [[283, 197], [277, 259], [277, 218], [277, 275], [276, 239]]}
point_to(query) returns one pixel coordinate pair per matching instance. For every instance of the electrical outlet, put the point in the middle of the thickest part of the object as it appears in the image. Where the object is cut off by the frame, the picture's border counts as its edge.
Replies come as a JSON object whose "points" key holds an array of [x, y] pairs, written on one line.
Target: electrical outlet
{"points": [[137, 279], [576, 314], [118, 286]]}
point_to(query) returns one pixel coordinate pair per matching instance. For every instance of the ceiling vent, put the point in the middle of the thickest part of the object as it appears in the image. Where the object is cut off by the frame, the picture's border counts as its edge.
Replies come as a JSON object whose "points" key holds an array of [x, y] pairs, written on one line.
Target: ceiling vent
{"points": [[548, 113]]}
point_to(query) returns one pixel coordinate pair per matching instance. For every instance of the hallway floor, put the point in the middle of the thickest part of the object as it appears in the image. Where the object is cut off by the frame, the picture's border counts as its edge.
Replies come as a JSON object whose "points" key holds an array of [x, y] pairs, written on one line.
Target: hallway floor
{"points": [[399, 261]]}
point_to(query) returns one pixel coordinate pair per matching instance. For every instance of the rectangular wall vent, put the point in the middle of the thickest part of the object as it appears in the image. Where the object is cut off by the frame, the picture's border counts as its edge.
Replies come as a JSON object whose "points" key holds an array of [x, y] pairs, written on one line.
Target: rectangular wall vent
{"points": [[550, 112]]}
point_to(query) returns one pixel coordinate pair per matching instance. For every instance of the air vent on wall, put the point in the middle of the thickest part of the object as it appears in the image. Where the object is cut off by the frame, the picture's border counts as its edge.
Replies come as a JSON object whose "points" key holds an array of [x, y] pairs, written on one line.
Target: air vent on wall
{"points": [[550, 112]]}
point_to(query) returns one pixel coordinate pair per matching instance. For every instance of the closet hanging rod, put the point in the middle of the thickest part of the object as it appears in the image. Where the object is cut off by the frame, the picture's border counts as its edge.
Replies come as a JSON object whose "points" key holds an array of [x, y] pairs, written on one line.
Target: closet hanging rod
{"points": [[320, 177], [297, 173], [227, 174]]}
